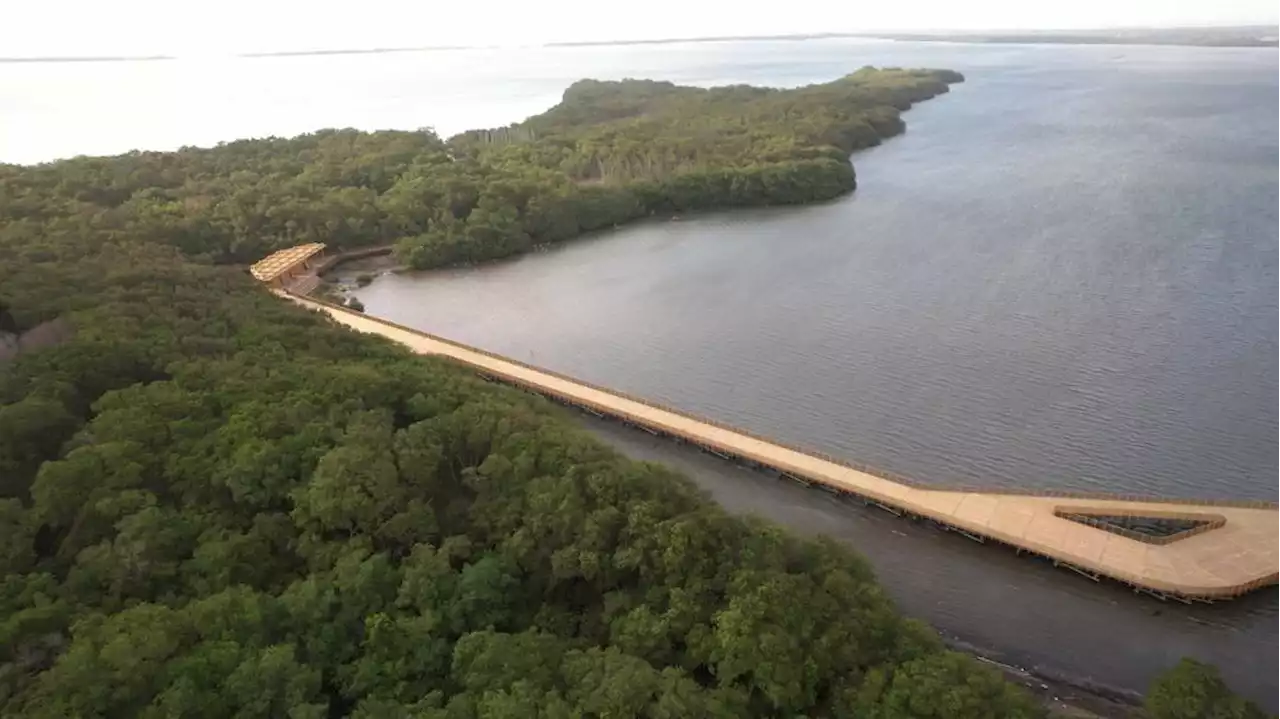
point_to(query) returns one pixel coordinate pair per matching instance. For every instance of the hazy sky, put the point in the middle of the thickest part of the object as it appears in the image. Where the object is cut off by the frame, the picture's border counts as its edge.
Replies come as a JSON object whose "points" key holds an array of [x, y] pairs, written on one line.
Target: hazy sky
{"points": [[92, 27]]}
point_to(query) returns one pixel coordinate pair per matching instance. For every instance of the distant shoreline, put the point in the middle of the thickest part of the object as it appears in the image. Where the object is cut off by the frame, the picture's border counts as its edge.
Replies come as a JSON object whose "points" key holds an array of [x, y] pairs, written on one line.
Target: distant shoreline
{"points": [[710, 38], [255, 55], [1237, 36], [1083, 39], [139, 58], [367, 51]]}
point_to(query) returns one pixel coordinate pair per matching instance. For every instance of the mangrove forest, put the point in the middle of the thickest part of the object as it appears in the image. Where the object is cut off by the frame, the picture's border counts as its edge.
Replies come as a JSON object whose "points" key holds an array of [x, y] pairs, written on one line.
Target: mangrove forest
{"points": [[214, 503]]}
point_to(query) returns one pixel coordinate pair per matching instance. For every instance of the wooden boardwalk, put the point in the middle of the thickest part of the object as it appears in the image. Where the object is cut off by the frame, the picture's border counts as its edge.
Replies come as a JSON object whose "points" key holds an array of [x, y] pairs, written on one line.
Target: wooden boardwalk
{"points": [[1233, 551]]}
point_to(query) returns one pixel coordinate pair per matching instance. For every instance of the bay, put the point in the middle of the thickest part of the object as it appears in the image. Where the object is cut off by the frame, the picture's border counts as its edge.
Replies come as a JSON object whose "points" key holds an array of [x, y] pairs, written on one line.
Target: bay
{"points": [[1063, 276]]}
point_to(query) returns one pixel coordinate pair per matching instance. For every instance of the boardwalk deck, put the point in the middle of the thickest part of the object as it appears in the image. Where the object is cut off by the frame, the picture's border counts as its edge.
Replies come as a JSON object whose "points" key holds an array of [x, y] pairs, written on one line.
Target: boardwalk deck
{"points": [[1234, 551]]}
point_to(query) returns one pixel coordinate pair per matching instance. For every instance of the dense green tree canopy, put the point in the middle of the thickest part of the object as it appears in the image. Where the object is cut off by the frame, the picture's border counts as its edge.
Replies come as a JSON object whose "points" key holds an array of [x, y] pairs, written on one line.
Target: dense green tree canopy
{"points": [[610, 152], [216, 504], [7, 323], [1192, 690]]}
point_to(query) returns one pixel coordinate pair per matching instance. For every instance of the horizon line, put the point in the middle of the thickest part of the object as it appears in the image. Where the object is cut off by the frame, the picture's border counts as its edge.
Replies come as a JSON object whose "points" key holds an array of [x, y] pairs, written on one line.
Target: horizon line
{"points": [[884, 34]]}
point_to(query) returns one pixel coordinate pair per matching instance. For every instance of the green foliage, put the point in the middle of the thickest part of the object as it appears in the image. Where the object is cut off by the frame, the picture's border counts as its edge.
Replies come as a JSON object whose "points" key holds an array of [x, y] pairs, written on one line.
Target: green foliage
{"points": [[1192, 690], [610, 152], [217, 504], [8, 324], [30, 430], [614, 151], [244, 510], [942, 685]]}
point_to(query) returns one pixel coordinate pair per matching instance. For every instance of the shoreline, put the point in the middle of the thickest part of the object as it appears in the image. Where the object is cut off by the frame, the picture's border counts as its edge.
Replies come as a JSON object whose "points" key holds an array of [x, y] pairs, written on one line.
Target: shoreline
{"points": [[1062, 694], [1096, 633], [1235, 560], [1209, 36], [962, 589], [1052, 38], [357, 254]]}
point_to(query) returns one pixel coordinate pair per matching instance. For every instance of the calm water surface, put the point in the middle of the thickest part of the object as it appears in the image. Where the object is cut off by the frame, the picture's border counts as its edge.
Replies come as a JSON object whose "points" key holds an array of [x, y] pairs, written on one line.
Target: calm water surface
{"points": [[1063, 276]]}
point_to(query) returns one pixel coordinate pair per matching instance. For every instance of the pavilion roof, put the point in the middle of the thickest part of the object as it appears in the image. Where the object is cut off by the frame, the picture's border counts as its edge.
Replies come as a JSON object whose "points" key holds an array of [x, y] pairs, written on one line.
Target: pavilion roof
{"points": [[280, 261]]}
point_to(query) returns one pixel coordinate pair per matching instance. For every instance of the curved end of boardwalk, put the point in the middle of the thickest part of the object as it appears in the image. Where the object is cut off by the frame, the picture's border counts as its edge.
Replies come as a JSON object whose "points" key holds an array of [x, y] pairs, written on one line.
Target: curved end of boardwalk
{"points": [[1217, 550]]}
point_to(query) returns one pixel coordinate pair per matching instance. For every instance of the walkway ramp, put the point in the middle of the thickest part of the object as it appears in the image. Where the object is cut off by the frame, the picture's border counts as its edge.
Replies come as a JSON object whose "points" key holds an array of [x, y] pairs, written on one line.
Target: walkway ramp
{"points": [[1190, 550]]}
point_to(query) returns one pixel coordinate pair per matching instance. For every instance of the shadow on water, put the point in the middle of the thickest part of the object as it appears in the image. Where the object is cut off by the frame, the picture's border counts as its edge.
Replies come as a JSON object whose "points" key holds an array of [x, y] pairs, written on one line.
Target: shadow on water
{"points": [[1014, 609]]}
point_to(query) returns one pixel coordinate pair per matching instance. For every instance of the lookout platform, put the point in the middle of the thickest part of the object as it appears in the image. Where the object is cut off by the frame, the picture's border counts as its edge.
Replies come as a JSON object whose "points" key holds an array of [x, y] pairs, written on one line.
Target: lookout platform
{"points": [[291, 269], [1187, 550]]}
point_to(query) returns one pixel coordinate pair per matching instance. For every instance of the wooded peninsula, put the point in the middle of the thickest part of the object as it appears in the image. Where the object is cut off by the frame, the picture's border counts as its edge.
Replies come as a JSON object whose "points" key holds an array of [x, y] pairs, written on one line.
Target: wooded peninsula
{"points": [[216, 504]]}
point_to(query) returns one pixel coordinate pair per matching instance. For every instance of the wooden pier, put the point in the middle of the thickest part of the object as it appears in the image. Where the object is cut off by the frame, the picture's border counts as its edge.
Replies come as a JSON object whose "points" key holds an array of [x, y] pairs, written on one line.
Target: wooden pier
{"points": [[1227, 549]]}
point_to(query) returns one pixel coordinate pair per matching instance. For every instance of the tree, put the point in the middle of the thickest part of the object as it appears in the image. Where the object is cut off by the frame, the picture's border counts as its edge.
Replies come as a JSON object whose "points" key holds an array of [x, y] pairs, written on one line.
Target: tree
{"points": [[8, 324], [1193, 690], [607, 682], [31, 431], [114, 666], [356, 486], [948, 685], [17, 538]]}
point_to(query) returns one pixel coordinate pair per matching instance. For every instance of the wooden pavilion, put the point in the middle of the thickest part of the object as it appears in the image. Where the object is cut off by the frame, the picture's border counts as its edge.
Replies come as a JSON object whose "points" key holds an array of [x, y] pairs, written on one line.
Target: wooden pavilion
{"points": [[282, 267]]}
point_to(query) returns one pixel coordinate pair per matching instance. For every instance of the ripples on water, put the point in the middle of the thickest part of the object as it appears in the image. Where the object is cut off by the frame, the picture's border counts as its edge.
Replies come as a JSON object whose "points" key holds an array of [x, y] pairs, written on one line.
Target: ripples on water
{"points": [[1063, 276]]}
